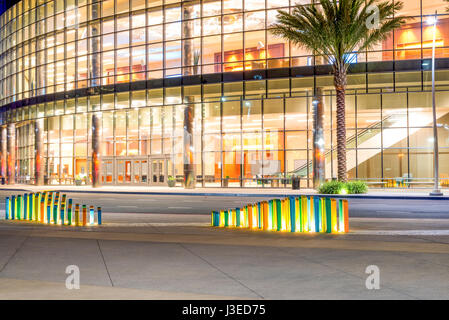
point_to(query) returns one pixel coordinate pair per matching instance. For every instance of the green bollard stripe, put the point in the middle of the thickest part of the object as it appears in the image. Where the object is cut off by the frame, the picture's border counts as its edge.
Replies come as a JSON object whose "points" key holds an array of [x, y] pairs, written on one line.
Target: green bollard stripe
{"points": [[293, 214], [7, 206], [328, 215], [237, 217], [13, 208], [55, 214], [279, 214], [226, 218]]}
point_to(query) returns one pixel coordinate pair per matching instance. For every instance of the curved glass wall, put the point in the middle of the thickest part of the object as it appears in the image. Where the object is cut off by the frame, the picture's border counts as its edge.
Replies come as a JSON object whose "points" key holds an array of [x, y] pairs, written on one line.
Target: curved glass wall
{"points": [[251, 133], [56, 46]]}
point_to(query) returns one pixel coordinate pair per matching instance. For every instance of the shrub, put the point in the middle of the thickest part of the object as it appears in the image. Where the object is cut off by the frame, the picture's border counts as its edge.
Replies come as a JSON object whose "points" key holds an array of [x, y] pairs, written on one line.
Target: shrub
{"points": [[357, 187], [331, 187], [337, 187]]}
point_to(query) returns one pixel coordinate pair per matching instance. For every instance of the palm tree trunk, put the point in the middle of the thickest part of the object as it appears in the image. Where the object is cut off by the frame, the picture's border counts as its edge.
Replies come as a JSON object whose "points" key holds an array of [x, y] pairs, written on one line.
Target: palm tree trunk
{"points": [[340, 87]]}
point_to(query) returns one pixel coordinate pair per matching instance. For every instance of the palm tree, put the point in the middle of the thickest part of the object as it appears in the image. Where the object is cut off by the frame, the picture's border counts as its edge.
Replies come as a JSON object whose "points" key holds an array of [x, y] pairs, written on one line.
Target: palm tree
{"points": [[335, 30]]}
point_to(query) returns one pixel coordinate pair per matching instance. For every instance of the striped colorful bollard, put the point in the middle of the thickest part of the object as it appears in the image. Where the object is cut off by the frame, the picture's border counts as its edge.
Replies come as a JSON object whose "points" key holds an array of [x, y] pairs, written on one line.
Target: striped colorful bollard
{"points": [[19, 208], [7, 206], [62, 214], [13, 207], [48, 213], [69, 213], [238, 216], [316, 217], [292, 214], [30, 206], [91, 215], [215, 219], [99, 218], [346, 215], [25, 206], [328, 204], [55, 213], [77, 215], [84, 214]]}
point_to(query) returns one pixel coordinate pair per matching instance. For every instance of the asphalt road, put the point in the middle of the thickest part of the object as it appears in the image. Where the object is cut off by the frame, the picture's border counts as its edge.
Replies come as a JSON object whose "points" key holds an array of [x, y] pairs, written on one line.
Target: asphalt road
{"points": [[376, 208]]}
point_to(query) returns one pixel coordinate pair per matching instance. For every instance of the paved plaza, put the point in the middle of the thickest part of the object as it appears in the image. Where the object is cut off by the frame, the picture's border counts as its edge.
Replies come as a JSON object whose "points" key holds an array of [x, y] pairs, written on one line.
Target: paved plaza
{"points": [[162, 247]]}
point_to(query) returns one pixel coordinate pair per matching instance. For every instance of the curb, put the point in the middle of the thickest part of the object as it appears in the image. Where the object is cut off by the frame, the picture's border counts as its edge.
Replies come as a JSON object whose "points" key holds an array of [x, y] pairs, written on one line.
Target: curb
{"points": [[261, 195]]}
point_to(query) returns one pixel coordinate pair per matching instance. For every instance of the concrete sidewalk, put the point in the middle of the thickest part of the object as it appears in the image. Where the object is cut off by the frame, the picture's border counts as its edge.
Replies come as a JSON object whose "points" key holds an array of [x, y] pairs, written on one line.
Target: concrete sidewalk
{"points": [[161, 257], [401, 194]]}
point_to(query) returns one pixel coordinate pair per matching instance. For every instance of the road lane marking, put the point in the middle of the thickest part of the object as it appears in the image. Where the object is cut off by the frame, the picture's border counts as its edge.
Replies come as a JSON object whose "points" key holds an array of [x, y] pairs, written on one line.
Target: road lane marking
{"points": [[403, 232], [179, 208]]}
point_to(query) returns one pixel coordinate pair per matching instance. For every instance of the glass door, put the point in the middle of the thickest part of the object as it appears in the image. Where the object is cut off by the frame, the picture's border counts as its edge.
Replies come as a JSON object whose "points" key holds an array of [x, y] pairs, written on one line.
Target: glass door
{"points": [[128, 171], [120, 171], [158, 171], [107, 171]]}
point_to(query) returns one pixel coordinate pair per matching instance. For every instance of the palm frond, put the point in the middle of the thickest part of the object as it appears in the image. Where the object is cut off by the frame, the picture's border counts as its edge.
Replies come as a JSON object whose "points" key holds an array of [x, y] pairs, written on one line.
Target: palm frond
{"points": [[335, 29]]}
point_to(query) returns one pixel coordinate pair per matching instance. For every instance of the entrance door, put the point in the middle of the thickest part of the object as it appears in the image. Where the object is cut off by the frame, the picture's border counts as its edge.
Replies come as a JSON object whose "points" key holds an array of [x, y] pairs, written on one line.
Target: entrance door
{"points": [[158, 171], [132, 171], [107, 174]]}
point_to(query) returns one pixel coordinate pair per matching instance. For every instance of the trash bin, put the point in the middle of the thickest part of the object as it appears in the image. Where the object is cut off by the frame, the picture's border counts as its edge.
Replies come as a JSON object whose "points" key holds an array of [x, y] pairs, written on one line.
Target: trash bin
{"points": [[296, 183]]}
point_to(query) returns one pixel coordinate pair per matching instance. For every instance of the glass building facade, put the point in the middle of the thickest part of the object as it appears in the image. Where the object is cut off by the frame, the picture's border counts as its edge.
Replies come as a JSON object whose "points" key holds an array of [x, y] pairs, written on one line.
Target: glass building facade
{"points": [[145, 90]]}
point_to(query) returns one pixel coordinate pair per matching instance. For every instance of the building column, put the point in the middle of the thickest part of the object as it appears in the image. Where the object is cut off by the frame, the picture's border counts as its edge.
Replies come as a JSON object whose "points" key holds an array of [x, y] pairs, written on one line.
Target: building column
{"points": [[189, 170], [318, 139], [11, 153], [38, 152], [188, 69], [3, 152], [96, 158]]}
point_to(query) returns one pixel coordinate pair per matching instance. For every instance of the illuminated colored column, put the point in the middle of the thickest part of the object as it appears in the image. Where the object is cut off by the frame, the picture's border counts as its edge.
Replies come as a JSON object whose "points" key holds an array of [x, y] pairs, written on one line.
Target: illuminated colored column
{"points": [[99, 217], [265, 215], [62, 214], [13, 207], [84, 214], [48, 213], [39, 152], [77, 215], [293, 214], [7, 206], [69, 213], [3, 152], [25, 206], [298, 214], [346, 215], [318, 138], [316, 206], [30, 206], [237, 217], [19, 207], [334, 220], [226, 218], [91, 215], [11, 153], [328, 215], [304, 210], [40, 215], [278, 214], [55, 213], [250, 216], [96, 141]]}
